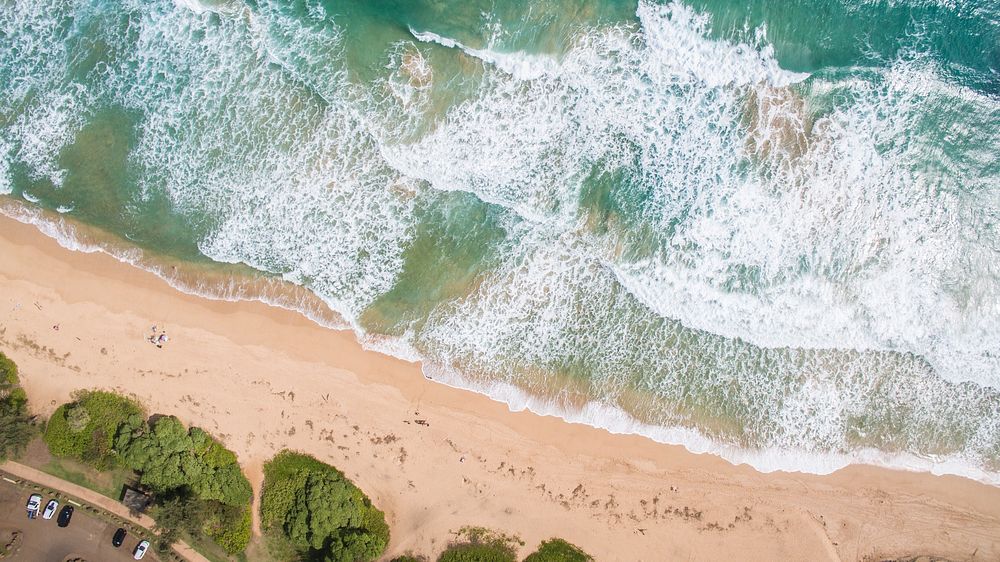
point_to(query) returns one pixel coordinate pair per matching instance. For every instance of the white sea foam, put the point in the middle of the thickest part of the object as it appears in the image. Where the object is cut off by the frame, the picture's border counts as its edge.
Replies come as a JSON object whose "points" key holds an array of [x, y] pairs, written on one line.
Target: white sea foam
{"points": [[67, 235], [768, 459], [846, 245], [522, 66]]}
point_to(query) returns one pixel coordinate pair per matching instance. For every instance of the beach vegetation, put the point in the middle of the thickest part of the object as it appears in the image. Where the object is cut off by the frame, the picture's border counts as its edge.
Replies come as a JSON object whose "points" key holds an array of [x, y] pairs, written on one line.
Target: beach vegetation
{"points": [[197, 483], [16, 424], [319, 512], [409, 558], [85, 429], [477, 544], [558, 550]]}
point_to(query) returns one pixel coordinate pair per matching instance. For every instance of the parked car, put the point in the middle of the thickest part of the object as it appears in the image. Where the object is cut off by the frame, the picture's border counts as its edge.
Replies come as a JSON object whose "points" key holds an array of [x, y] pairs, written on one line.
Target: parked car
{"points": [[140, 550], [34, 504], [50, 509], [64, 516], [119, 537]]}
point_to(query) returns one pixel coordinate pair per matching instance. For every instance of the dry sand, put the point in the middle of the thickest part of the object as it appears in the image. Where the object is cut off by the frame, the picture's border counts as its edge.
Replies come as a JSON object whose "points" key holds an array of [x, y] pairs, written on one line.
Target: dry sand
{"points": [[436, 458]]}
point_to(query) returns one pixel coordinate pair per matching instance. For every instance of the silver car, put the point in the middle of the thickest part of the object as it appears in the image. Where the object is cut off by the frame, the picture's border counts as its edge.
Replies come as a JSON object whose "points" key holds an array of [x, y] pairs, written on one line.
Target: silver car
{"points": [[140, 550], [50, 509]]}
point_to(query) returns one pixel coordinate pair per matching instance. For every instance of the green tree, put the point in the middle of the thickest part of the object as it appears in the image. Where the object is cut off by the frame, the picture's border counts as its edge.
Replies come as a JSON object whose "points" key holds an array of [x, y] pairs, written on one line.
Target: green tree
{"points": [[168, 457], [320, 512], [175, 515], [230, 527], [16, 425], [558, 550]]}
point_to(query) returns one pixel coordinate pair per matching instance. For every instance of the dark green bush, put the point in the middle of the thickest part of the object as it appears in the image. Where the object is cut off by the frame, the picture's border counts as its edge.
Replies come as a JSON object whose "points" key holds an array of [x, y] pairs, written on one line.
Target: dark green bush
{"points": [[231, 532], [321, 513], [558, 550]]}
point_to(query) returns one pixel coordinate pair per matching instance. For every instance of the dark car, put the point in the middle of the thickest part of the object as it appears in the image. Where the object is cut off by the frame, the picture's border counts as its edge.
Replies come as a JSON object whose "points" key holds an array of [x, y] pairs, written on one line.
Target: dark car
{"points": [[119, 537], [65, 515]]}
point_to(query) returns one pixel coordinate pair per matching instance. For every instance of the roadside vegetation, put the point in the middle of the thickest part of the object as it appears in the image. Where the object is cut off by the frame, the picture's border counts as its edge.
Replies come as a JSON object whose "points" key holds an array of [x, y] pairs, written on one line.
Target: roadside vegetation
{"points": [[16, 425], [311, 511], [197, 483]]}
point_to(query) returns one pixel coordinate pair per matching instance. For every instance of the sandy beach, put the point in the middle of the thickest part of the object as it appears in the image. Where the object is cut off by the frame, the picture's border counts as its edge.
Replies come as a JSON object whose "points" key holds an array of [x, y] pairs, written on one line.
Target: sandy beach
{"points": [[436, 458]]}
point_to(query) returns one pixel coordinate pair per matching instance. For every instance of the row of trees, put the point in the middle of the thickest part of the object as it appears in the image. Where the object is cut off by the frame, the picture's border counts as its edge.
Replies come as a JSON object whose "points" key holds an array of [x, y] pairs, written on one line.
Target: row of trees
{"points": [[198, 484]]}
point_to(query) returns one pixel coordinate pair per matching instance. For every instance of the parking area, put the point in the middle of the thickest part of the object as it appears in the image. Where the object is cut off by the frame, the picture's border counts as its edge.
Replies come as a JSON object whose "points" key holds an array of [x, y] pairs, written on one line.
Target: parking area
{"points": [[87, 537]]}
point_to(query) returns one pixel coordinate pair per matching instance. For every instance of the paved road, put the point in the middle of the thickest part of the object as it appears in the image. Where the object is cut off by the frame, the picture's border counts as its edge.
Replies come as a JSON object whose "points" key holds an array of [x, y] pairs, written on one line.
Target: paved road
{"points": [[86, 536], [91, 497]]}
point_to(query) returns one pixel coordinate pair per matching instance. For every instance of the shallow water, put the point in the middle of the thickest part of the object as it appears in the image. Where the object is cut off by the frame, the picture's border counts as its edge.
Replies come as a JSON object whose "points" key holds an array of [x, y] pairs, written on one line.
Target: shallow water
{"points": [[770, 233]]}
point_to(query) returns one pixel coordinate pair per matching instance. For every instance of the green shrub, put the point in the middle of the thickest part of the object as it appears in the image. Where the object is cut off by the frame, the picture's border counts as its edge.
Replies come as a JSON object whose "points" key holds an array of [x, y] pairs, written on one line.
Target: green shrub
{"points": [[476, 544], [85, 429], [319, 511], [558, 550], [16, 427], [408, 558], [468, 552], [231, 533]]}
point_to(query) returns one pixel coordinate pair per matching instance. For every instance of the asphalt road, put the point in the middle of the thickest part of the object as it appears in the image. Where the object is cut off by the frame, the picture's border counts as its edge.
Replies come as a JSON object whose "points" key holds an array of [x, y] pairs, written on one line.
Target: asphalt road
{"points": [[86, 537]]}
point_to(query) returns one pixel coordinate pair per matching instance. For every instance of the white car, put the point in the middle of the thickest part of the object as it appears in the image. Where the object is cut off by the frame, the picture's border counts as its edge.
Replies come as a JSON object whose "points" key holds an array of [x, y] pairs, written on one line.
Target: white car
{"points": [[50, 509], [34, 504], [140, 550]]}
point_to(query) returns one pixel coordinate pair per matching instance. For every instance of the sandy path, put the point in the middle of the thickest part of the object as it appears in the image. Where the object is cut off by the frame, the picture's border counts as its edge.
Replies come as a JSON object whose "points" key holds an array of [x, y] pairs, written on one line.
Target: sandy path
{"points": [[436, 458]]}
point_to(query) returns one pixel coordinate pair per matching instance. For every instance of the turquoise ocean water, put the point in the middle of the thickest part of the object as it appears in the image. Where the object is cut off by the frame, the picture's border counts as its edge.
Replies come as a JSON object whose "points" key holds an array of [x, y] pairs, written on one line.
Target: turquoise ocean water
{"points": [[763, 229]]}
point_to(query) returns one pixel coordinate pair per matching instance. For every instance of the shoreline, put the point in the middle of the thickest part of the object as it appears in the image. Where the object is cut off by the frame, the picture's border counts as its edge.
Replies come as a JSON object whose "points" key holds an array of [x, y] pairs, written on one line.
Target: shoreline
{"points": [[264, 378], [240, 286]]}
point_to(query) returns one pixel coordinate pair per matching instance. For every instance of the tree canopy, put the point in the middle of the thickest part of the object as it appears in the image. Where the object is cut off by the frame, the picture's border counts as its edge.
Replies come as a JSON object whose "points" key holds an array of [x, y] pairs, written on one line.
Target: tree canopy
{"points": [[16, 428], [320, 512], [169, 456]]}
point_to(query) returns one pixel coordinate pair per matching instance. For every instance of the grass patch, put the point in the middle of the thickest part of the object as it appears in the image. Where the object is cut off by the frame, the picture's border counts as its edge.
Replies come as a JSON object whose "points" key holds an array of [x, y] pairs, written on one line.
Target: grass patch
{"points": [[109, 483], [477, 544]]}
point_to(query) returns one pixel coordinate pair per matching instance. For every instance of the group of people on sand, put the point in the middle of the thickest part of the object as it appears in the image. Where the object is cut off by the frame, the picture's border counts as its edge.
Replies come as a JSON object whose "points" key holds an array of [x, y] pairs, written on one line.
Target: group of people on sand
{"points": [[158, 338]]}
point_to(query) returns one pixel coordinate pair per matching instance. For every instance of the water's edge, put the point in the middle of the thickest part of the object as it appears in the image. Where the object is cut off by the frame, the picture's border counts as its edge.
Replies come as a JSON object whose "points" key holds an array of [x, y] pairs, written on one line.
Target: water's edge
{"points": [[282, 294]]}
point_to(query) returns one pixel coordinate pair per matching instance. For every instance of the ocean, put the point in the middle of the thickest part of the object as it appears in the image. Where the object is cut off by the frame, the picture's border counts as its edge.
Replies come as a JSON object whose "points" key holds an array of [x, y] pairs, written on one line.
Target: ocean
{"points": [[768, 230]]}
